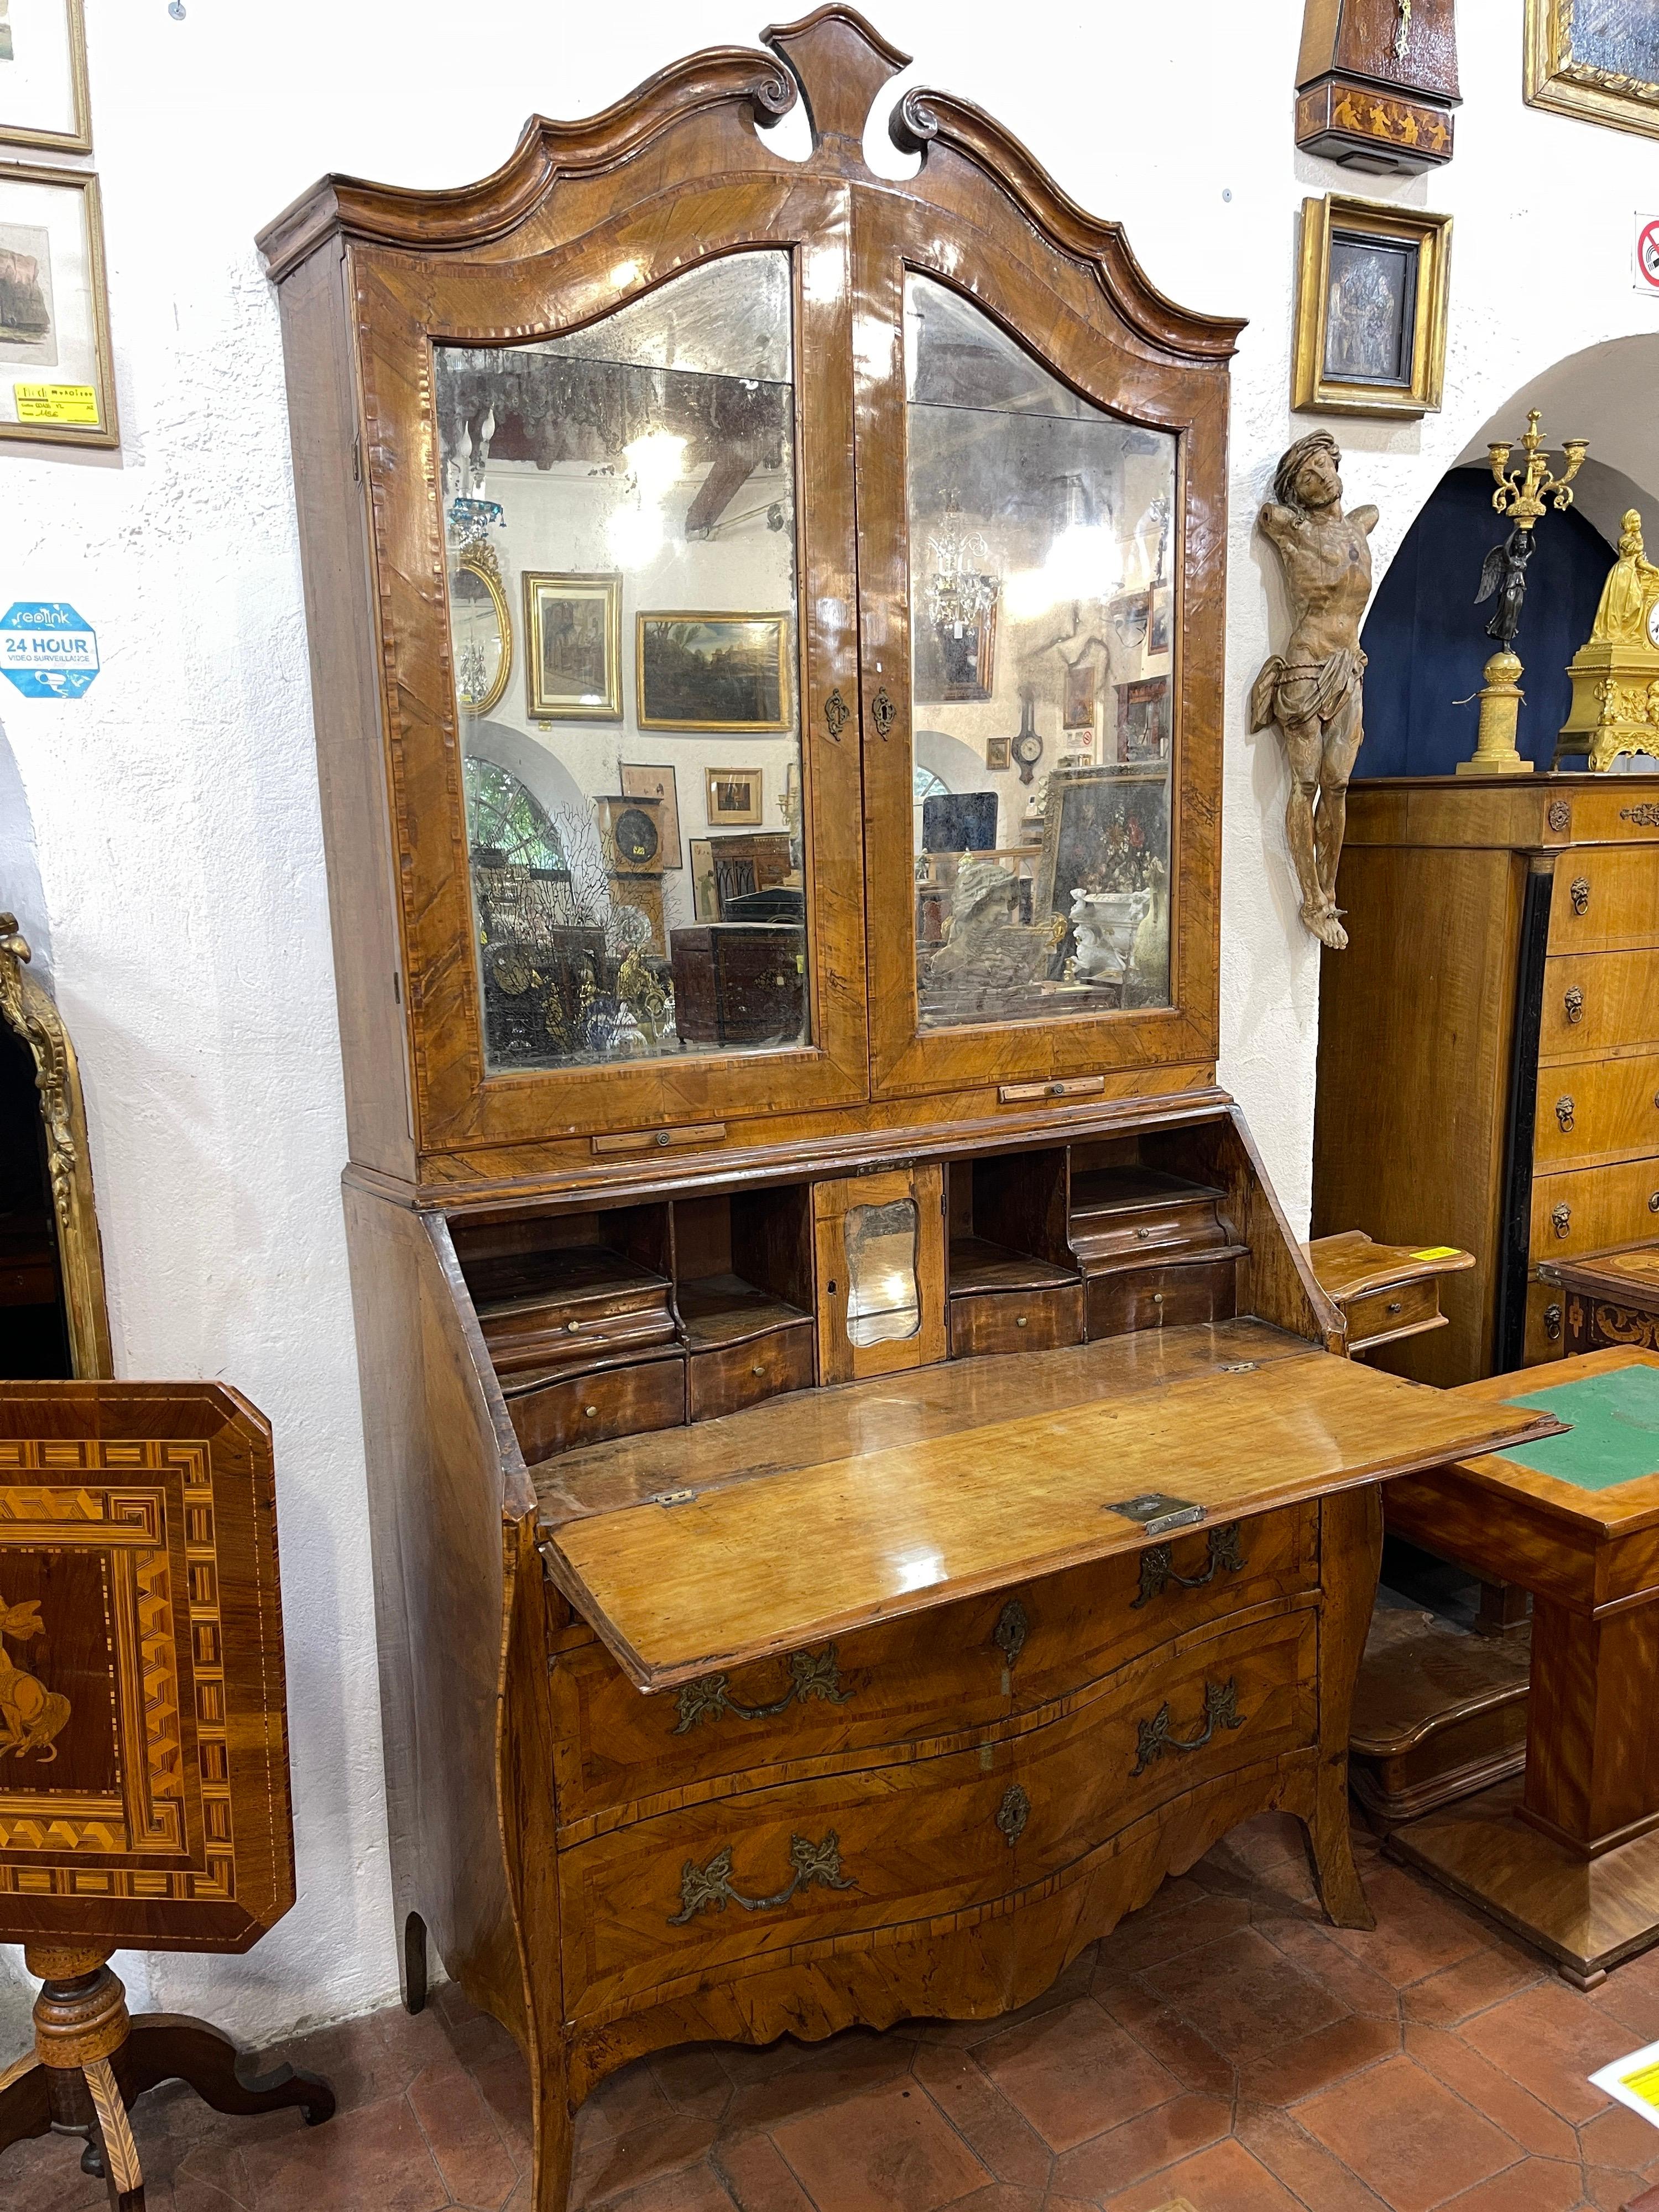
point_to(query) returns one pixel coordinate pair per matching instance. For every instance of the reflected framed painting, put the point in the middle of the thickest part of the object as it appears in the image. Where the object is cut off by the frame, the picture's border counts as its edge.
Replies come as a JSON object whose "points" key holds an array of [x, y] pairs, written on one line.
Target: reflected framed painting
{"points": [[43, 76], [57, 379], [573, 647], [1596, 59], [733, 797], [713, 671], [1370, 309]]}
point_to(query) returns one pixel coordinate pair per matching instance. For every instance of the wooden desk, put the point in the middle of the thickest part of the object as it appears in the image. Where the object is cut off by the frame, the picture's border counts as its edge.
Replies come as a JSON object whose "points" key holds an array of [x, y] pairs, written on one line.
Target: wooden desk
{"points": [[1568, 1856]]}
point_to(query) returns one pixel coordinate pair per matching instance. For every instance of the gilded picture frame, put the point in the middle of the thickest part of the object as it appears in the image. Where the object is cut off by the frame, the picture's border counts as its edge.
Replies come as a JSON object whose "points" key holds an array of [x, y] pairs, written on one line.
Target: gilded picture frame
{"points": [[573, 646], [1606, 72], [57, 120], [732, 797], [56, 366], [713, 670], [481, 692], [1372, 290]]}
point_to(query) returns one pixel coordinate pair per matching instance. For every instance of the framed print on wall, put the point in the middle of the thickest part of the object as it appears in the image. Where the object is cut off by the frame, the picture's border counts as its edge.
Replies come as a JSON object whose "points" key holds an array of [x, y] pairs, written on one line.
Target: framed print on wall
{"points": [[1596, 59], [43, 76], [733, 797], [713, 671], [56, 381], [1371, 308], [573, 647], [955, 663]]}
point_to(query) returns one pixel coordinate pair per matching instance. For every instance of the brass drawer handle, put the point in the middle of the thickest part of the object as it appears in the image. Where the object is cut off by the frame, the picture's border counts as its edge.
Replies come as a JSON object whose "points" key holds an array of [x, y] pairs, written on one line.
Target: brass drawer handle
{"points": [[1561, 1219], [1564, 1110], [1552, 1323], [1395, 1305], [815, 1675], [705, 1888], [1580, 895], [1012, 1628], [882, 713], [1156, 1570], [835, 711], [1154, 1739], [1574, 1004], [1012, 1813], [1653, 1201]]}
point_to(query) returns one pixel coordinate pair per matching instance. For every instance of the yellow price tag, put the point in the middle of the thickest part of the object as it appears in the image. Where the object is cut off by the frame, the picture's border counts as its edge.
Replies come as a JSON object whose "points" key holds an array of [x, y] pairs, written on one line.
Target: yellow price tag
{"points": [[1437, 1252], [56, 403]]}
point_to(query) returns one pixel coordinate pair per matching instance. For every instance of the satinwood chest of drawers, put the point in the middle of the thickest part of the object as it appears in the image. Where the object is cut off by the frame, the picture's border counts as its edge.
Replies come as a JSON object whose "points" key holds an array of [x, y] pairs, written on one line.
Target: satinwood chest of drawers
{"points": [[1489, 1044]]}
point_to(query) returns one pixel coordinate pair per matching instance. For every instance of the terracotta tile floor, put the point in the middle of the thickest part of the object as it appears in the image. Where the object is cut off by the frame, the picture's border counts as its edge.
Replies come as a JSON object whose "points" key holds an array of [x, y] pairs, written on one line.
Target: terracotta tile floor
{"points": [[1223, 2046]]}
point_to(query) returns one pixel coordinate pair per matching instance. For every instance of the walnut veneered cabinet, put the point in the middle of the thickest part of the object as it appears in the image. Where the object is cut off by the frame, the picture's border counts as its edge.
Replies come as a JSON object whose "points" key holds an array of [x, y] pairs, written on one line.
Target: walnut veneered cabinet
{"points": [[804, 1268]]}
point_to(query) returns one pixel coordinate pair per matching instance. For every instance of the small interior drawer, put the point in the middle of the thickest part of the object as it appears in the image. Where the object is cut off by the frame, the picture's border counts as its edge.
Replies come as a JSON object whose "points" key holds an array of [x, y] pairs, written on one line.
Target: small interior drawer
{"points": [[586, 1409], [732, 1375], [1016, 1321], [1398, 1309], [1125, 1299]]}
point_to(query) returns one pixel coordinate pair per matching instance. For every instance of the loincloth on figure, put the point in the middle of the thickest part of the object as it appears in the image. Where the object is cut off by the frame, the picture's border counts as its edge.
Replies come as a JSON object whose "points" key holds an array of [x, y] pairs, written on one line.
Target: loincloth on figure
{"points": [[1305, 690]]}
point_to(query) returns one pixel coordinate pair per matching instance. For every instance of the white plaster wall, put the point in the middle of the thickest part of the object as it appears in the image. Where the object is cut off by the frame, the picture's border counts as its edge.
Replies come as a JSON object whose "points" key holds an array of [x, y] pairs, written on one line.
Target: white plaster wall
{"points": [[173, 809]]}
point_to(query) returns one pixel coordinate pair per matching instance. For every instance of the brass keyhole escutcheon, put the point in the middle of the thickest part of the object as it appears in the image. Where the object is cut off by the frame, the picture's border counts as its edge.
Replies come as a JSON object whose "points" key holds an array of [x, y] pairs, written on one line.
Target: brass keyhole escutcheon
{"points": [[1561, 1219], [1552, 1323], [883, 712], [1564, 1112], [1012, 1814], [1574, 1005], [1580, 895], [836, 713]]}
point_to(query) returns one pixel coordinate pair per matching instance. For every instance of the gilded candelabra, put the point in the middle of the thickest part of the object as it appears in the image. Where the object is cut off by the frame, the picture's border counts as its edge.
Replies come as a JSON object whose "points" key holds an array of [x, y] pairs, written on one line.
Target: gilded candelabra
{"points": [[1522, 496]]}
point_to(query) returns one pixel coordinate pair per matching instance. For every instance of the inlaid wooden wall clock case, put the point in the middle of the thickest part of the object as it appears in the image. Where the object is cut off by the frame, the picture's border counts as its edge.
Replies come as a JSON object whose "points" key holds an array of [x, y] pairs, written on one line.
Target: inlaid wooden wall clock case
{"points": [[754, 1277]]}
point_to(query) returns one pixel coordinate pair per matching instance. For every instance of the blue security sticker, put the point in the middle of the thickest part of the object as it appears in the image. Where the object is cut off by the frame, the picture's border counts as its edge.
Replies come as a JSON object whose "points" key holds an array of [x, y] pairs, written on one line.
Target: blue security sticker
{"points": [[48, 651]]}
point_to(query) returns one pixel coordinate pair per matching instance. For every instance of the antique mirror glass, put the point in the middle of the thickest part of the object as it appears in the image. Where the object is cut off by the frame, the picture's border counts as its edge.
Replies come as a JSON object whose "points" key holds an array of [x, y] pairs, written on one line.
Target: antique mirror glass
{"points": [[629, 492], [883, 1298], [1044, 551]]}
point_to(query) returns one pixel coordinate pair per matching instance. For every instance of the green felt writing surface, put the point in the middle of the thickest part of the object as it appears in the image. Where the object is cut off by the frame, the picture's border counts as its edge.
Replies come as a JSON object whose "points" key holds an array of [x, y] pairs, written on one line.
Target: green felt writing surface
{"points": [[1613, 1432]]}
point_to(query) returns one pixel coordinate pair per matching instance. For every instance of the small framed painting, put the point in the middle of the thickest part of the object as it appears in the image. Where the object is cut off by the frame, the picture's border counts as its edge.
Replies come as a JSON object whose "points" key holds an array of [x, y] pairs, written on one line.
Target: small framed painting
{"points": [[713, 671], [43, 76], [733, 797], [1597, 59], [1158, 619], [658, 783], [573, 647], [1142, 720], [1077, 708], [955, 663], [997, 754], [705, 888], [1370, 307], [57, 382]]}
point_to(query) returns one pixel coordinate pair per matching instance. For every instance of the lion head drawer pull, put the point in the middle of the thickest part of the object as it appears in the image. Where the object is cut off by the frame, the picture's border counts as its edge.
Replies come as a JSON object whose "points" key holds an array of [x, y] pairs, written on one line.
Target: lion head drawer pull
{"points": [[815, 1675], [1153, 1739], [1564, 1110], [1561, 1218], [1552, 1323], [1013, 1626], [1573, 1005], [1012, 1813], [1580, 895], [1156, 1570], [706, 1888]]}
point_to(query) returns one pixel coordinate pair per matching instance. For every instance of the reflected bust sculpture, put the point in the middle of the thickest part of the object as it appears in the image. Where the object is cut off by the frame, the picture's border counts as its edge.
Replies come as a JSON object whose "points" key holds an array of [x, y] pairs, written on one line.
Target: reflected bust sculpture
{"points": [[1313, 692]]}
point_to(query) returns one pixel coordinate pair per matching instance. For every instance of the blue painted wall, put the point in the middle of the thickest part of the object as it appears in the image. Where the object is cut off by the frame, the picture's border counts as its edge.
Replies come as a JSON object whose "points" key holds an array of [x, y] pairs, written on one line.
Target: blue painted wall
{"points": [[1427, 642]]}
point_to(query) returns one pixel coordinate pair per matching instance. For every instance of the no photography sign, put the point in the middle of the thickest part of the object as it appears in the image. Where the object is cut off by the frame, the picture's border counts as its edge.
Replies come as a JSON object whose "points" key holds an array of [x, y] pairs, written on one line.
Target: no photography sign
{"points": [[1645, 273]]}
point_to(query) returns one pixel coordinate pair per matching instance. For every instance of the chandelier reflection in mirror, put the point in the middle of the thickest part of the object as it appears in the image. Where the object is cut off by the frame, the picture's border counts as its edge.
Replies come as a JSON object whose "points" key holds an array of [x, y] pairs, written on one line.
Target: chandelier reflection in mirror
{"points": [[961, 590]]}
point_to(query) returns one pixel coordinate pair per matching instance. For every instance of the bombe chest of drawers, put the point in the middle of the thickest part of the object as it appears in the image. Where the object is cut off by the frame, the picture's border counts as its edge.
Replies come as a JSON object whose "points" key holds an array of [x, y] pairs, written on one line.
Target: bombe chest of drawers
{"points": [[1489, 1046], [860, 1485]]}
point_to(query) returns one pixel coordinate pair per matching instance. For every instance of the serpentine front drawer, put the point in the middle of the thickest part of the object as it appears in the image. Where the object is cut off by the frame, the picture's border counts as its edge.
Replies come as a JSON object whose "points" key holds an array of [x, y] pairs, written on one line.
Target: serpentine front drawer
{"points": [[709, 1887], [909, 1682]]}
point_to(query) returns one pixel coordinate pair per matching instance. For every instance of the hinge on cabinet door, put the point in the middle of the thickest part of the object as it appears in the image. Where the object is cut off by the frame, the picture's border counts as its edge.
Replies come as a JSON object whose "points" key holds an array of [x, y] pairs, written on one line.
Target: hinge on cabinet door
{"points": [[397, 987], [671, 1497], [356, 460]]}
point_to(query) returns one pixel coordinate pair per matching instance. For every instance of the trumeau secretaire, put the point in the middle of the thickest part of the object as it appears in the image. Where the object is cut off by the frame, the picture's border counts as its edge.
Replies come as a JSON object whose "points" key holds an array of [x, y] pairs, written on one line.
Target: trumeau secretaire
{"points": [[804, 1270]]}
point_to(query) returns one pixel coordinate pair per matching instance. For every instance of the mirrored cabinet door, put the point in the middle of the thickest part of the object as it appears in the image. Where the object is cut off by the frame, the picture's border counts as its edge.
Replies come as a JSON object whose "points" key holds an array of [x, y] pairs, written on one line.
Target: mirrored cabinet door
{"points": [[1023, 592]]}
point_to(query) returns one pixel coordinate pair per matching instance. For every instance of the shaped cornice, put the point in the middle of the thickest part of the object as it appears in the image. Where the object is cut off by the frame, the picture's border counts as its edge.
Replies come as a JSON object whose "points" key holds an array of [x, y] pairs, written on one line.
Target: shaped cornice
{"points": [[836, 63]]}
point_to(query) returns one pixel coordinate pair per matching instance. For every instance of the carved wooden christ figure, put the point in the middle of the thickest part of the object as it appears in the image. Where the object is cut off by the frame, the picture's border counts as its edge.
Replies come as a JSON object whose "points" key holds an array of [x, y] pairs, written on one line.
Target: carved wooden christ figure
{"points": [[1314, 693]]}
